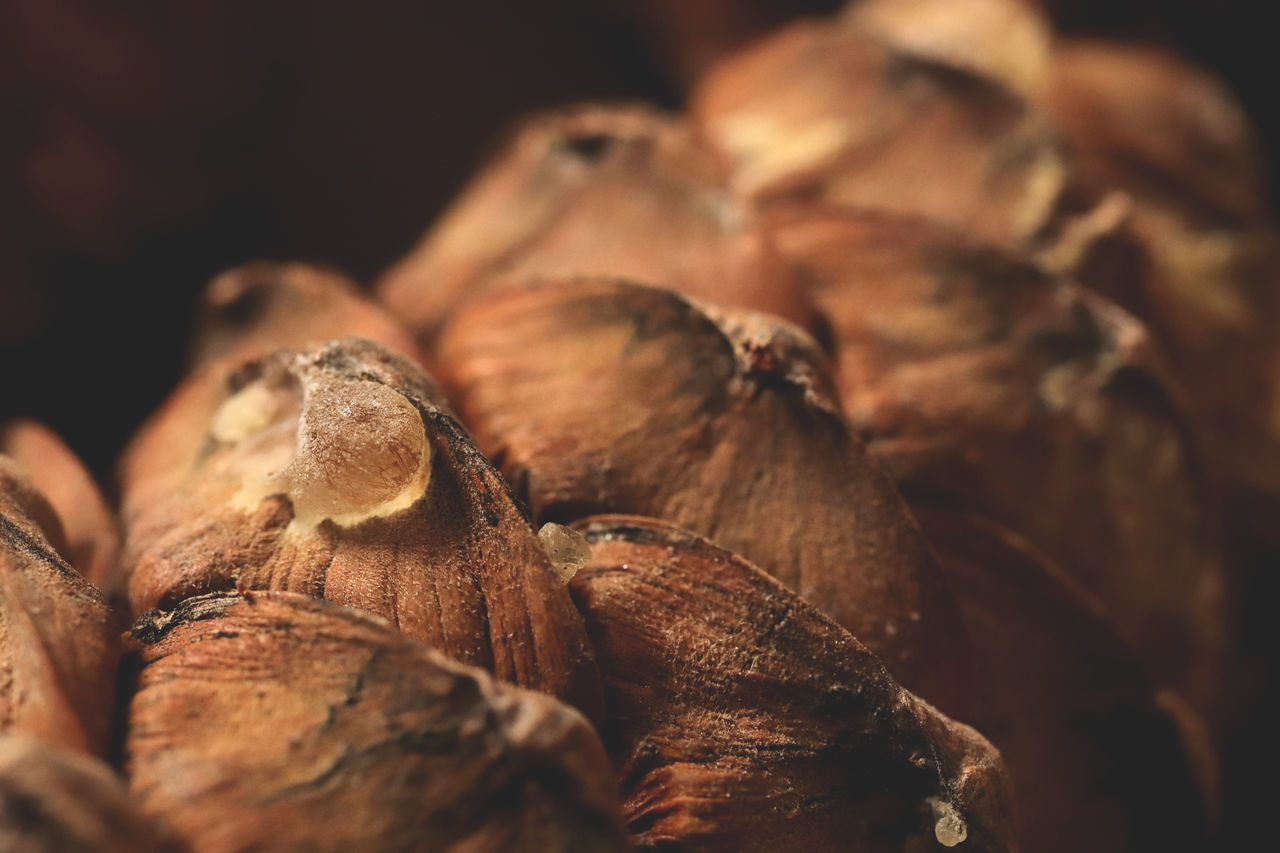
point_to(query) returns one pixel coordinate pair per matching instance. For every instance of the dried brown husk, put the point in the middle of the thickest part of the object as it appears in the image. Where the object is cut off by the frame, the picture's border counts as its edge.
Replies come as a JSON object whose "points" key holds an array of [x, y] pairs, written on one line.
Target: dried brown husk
{"points": [[1096, 759], [251, 310], [1009, 41], [873, 110], [59, 645], [687, 38], [620, 191], [983, 383], [741, 718], [1177, 145], [54, 800], [272, 721], [599, 395], [333, 472], [1147, 122], [89, 528]]}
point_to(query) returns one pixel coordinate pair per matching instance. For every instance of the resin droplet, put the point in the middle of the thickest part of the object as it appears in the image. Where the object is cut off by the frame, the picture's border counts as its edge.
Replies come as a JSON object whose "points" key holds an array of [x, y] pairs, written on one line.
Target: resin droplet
{"points": [[362, 448], [949, 827], [566, 548], [252, 410], [260, 424]]}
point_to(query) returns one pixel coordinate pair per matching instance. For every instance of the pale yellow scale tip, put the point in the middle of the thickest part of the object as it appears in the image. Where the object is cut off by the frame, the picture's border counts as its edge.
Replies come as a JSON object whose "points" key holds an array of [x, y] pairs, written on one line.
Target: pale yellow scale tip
{"points": [[342, 450], [247, 413], [359, 446], [949, 827], [566, 549]]}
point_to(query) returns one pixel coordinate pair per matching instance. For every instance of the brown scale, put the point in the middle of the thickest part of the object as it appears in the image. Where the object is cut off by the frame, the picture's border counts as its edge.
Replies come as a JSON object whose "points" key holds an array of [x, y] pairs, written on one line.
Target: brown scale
{"points": [[273, 721], [598, 395], [334, 473], [985, 384]]}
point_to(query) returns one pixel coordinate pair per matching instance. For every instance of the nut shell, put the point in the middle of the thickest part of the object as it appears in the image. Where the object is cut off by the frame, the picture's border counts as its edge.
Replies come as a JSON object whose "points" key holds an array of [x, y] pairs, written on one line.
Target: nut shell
{"points": [[88, 525], [743, 719], [272, 721], [54, 800], [334, 473], [617, 191], [603, 396], [1071, 709], [847, 114], [59, 644], [985, 384], [253, 309], [1172, 139]]}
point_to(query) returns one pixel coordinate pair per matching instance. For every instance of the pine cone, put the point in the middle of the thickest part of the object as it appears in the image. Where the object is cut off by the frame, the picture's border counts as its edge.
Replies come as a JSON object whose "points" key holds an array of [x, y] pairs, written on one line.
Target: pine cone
{"points": [[846, 463]]}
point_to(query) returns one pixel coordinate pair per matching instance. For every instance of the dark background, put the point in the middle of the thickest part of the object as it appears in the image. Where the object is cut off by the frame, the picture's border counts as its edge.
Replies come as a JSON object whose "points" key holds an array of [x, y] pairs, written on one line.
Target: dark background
{"points": [[147, 145]]}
